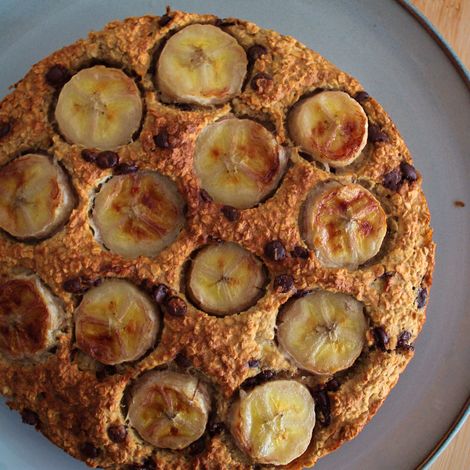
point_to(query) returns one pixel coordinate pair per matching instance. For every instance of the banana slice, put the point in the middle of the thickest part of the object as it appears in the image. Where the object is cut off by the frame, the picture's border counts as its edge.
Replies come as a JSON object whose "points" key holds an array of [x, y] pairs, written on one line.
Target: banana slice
{"points": [[225, 278], [331, 126], [274, 422], [115, 322], [345, 225], [323, 332], [99, 107], [169, 409], [29, 316], [238, 162], [201, 64], [138, 214], [36, 197]]}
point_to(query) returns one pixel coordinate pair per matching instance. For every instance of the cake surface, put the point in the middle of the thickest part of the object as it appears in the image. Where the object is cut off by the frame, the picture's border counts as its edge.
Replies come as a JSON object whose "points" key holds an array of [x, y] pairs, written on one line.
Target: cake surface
{"points": [[335, 217]]}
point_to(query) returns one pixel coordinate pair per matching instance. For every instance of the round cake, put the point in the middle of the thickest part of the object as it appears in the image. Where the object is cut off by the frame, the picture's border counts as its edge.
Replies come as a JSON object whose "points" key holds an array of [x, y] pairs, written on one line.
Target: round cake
{"points": [[215, 249]]}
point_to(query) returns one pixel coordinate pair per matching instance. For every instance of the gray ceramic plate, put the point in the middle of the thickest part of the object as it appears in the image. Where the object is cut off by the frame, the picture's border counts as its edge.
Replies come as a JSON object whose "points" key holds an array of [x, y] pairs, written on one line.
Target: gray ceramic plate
{"points": [[398, 63]]}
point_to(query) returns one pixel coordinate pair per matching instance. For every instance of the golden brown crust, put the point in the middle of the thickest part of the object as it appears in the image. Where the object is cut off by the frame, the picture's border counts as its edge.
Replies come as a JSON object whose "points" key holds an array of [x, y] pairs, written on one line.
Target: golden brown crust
{"points": [[74, 406]]}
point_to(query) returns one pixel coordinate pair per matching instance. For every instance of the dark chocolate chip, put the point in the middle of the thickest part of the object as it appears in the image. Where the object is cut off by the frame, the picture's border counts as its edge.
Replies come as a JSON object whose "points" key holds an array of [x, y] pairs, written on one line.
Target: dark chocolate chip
{"points": [[261, 82], [408, 172], [215, 428], [224, 22], [300, 252], [253, 363], [231, 213], [332, 385], [275, 250], [376, 134], [205, 196], [125, 168], [164, 20], [89, 451], [107, 159], [361, 96], [182, 360], [161, 139], [263, 376], [197, 446], [322, 407], [117, 433], [160, 293], [89, 155], [256, 51], [392, 180], [57, 75], [76, 285], [380, 337], [29, 417], [421, 297], [5, 128], [284, 283], [404, 341], [176, 306]]}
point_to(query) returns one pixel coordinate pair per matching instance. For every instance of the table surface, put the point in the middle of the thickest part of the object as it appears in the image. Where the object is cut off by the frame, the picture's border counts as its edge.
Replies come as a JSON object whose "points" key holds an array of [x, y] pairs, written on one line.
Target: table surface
{"points": [[452, 19]]}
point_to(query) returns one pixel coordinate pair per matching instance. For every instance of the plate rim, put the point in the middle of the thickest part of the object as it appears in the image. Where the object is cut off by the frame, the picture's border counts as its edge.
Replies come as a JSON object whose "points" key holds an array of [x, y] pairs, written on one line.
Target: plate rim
{"points": [[464, 74]]}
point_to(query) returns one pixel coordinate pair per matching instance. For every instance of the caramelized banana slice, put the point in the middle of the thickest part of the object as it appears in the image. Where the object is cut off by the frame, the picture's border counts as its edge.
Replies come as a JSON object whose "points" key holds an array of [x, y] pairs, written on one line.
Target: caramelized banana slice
{"points": [[36, 197], [323, 332], [100, 107], [331, 126], [238, 162], [345, 224], [201, 64], [115, 322], [274, 422], [29, 317], [169, 409], [225, 278], [138, 214]]}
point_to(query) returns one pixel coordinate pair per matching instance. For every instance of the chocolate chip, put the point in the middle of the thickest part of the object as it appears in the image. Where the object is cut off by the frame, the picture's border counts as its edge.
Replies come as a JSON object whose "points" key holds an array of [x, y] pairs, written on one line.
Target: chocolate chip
{"points": [[117, 433], [57, 75], [421, 297], [322, 407], [147, 464], [107, 159], [5, 128], [300, 252], [403, 341], [253, 363], [459, 203], [160, 292], [89, 155], [89, 451], [376, 134], [261, 82], [256, 51], [231, 213], [361, 96], [215, 428], [182, 360], [205, 196], [380, 337], [392, 180], [408, 172], [76, 285], [164, 20], [176, 307], [275, 250], [197, 446], [284, 283], [332, 385], [161, 140], [263, 376], [29, 417], [125, 168]]}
